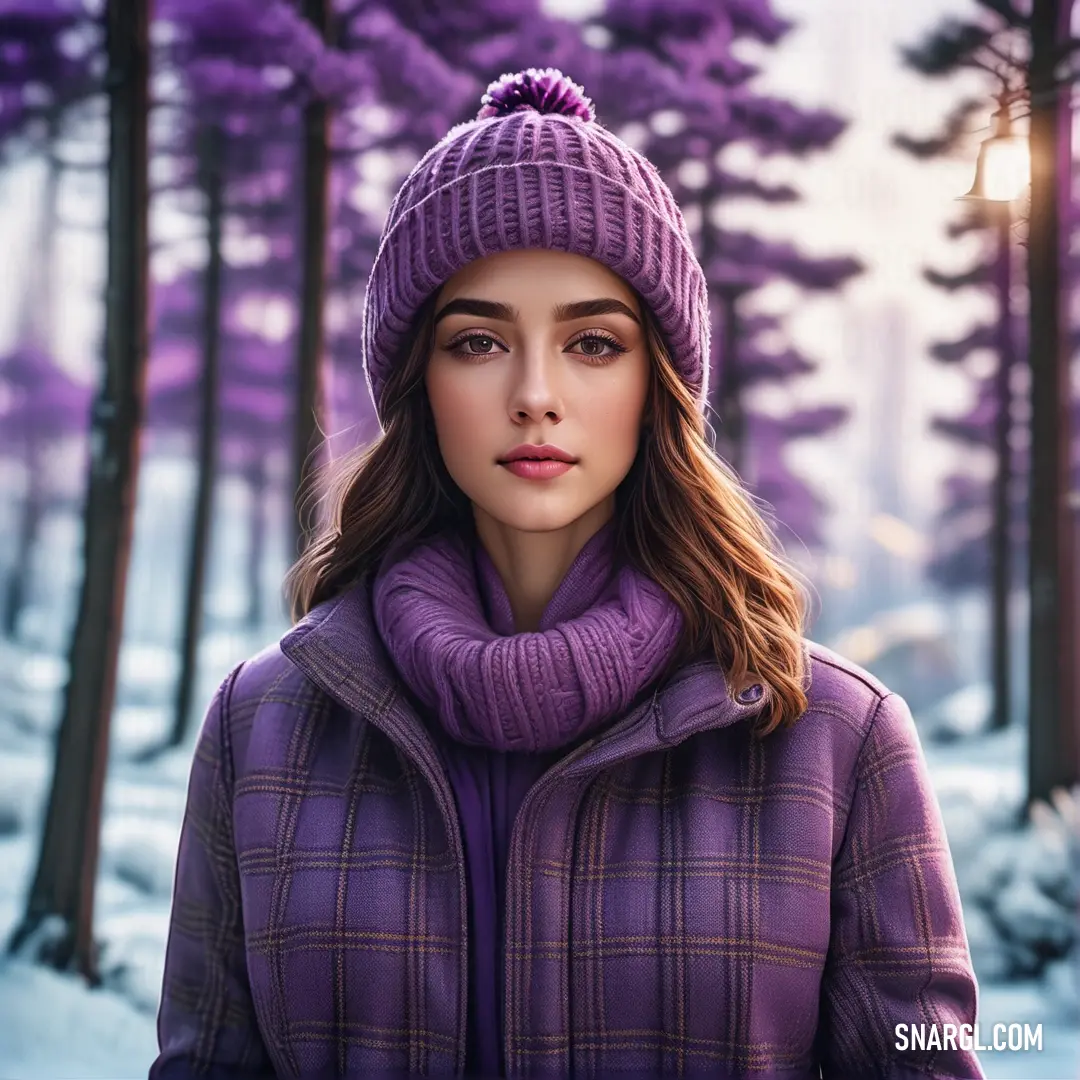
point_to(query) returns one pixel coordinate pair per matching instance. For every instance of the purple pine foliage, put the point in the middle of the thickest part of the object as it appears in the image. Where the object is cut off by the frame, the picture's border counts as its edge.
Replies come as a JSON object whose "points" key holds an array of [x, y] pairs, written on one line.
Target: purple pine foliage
{"points": [[257, 46], [795, 507], [50, 58], [695, 42], [39, 400], [255, 400], [742, 256]]}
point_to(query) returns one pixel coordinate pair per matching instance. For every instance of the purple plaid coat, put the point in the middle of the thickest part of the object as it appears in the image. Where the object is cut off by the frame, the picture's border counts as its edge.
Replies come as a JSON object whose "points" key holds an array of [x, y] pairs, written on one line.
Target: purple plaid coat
{"points": [[682, 898]]}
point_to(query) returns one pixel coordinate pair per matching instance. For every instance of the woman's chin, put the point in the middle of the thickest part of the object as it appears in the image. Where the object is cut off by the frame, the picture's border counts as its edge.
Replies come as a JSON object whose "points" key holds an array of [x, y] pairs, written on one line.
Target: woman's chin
{"points": [[536, 513]]}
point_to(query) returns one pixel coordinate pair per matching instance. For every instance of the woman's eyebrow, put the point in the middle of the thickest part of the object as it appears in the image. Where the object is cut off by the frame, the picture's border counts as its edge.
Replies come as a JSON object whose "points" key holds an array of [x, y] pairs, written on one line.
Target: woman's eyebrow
{"points": [[579, 309]]}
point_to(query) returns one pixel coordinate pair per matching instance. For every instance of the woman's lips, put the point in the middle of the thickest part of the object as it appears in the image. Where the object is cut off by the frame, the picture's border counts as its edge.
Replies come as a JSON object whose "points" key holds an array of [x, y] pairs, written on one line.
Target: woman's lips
{"points": [[531, 469]]}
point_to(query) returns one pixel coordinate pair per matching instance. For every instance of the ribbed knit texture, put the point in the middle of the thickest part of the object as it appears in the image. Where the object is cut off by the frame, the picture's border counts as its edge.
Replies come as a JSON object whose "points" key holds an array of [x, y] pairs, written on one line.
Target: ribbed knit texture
{"points": [[532, 691], [536, 179]]}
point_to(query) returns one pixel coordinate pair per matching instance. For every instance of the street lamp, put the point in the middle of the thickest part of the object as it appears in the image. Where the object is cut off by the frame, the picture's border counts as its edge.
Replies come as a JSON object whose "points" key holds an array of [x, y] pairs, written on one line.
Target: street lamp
{"points": [[1053, 672], [1003, 171], [1002, 175]]}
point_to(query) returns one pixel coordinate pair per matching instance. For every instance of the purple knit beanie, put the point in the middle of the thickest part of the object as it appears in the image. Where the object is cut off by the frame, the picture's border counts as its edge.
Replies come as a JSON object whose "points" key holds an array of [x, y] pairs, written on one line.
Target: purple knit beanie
{"points": [[535, 170]]}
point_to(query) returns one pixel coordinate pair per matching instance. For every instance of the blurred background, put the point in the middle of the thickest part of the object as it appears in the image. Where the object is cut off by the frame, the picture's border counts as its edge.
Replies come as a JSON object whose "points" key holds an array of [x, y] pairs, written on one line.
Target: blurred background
{"points": [[190, 201]]}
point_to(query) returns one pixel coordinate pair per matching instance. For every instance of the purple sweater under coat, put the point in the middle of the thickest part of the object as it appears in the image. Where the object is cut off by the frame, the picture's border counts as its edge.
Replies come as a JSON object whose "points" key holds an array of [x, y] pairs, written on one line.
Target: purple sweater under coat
{"points": [[489, 787]]}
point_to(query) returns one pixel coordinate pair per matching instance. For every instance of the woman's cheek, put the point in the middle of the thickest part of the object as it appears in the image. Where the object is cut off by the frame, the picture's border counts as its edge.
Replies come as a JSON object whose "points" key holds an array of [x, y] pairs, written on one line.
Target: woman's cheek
{"points": [[616, 423], [468, 446]]}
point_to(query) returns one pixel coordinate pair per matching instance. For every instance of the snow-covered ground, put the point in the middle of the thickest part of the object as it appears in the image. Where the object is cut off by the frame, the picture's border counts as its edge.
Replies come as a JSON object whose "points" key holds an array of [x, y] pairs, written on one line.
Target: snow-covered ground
{"points": [[979, 783], [53, 1026]]}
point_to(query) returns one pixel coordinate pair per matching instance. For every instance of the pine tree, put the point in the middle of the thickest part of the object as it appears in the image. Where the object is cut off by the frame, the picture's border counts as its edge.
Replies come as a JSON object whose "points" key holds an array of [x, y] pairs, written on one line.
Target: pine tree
{"points": [[1034, 46], [988, 554], [63, 886]]}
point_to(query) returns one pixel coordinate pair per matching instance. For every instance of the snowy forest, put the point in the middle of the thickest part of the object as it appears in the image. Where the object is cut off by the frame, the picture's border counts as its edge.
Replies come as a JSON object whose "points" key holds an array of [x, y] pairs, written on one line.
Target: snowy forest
{"points": [[191, 198]]}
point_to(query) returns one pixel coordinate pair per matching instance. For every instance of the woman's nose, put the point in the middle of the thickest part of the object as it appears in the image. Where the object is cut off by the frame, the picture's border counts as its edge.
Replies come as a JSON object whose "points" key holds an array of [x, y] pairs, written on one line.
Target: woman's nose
{"points": [[535, 391]]}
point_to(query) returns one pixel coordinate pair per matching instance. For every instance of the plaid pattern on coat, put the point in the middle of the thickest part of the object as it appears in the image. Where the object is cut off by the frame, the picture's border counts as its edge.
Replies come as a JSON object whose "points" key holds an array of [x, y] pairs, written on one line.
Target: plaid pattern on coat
{"points": [[682, 898]]}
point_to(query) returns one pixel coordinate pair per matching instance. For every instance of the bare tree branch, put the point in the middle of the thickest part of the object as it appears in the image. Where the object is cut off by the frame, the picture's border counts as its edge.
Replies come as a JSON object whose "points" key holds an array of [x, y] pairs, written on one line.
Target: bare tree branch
{"points": [[954, 132]]}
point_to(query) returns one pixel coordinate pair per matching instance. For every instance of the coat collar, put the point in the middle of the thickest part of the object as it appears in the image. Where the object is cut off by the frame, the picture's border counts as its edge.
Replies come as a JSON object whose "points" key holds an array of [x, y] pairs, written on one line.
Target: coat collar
{"points": [[337, 646]]}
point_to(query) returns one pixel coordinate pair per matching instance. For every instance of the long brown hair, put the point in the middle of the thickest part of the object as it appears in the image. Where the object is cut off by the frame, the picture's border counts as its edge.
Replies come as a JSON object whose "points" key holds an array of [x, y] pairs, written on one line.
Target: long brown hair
{"points": [[682, 517]]}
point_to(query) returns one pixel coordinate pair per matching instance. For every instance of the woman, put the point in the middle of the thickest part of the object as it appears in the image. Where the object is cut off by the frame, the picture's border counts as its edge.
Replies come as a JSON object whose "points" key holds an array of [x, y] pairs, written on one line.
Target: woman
{"points": [[546, 779]]}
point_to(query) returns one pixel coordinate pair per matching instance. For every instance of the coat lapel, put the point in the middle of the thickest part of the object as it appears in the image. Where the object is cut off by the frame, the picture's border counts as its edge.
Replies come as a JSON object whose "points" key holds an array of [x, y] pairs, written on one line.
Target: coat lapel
{"points": [[338, 648]]}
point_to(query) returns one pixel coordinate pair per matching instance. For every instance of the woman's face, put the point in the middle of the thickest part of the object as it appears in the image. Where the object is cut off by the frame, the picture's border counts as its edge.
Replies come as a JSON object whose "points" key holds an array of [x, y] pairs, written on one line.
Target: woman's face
{"points": [[538, 347]]}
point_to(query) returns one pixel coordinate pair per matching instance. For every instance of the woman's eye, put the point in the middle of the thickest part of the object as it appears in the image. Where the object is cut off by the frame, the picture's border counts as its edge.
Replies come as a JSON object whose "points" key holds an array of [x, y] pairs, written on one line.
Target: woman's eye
{"points": [[464, 346], [595, 344], [484, 344]]}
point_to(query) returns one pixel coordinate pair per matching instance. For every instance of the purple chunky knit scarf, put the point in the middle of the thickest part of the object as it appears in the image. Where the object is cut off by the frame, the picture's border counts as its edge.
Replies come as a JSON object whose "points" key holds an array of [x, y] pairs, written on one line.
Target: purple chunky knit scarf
{"points": [[605, 635]]}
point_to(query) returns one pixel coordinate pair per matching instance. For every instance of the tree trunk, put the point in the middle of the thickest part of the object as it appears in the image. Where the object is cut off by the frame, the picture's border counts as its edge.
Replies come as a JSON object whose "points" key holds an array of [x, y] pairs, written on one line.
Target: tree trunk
{"points": [[1001, 553], [211, 168], [316, 177], [63, 884], [1053, 700], [257, 553], [33, 510]]}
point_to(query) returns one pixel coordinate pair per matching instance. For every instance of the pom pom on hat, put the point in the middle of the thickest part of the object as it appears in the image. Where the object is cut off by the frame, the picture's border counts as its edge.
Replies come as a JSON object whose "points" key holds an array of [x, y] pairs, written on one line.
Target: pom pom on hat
{"points": [[545, 90]]}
